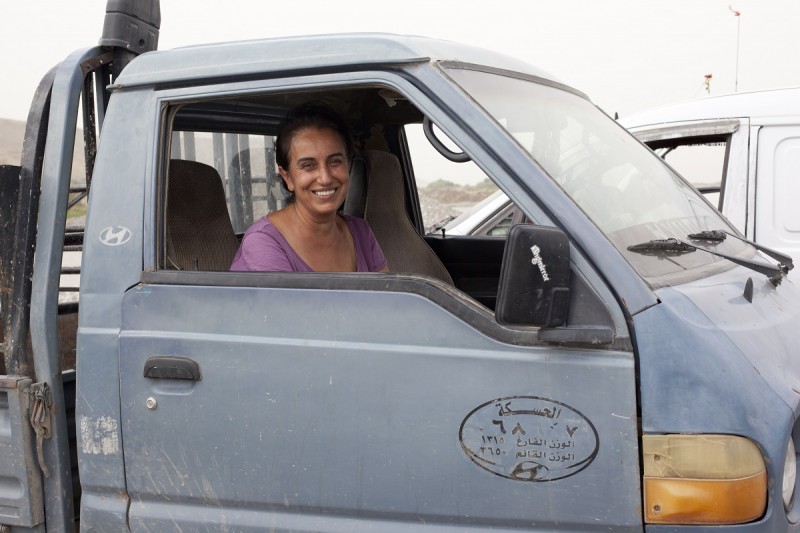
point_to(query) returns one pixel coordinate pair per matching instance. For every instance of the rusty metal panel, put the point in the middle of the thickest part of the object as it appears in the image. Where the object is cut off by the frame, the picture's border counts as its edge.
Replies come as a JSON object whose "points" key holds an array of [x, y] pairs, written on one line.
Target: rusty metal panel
{"points": [[20, 478]]}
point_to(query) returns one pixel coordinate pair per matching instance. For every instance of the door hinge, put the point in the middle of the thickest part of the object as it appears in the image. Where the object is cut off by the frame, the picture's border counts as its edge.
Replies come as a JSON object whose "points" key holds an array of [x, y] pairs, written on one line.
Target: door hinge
{"points": [[41, 403]]}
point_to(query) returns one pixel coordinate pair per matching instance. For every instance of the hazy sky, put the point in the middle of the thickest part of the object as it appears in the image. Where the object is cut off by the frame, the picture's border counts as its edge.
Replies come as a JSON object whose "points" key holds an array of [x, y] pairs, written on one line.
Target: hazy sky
{"points": [[628, 55]]}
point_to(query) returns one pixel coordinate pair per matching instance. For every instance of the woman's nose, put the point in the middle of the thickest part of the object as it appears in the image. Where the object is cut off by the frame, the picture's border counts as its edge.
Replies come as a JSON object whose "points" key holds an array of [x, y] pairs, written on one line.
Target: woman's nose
{"points": [[325, 175]]}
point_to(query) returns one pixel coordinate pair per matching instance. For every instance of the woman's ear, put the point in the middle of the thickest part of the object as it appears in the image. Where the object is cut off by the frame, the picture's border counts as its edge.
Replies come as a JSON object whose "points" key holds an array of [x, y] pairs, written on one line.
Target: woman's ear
{"points": [[287, 178]]}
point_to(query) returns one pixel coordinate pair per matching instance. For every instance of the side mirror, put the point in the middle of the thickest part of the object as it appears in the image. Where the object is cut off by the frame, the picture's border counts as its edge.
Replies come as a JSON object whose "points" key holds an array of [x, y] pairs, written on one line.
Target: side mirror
{"points": [[534, 278]]}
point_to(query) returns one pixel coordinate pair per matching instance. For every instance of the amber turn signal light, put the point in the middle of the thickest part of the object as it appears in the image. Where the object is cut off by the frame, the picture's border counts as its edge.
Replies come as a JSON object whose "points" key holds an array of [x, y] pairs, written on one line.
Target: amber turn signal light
{"points": [[703, 479]]}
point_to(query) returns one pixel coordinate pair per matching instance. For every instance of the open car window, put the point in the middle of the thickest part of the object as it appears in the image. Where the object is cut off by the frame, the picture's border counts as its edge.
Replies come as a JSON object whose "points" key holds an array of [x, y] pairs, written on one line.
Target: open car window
{"points": [[219, 163], [218, 176], [701, 160]]}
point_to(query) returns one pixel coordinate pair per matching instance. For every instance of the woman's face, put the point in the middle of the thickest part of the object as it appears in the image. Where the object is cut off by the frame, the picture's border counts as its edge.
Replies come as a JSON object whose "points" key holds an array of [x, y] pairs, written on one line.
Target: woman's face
{"points": [[318, 171]]}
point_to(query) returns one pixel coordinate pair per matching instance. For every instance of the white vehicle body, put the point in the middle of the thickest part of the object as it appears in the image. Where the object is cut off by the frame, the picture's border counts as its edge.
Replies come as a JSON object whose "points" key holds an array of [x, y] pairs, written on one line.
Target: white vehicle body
{"points": [[758, 176], [491, 217]]}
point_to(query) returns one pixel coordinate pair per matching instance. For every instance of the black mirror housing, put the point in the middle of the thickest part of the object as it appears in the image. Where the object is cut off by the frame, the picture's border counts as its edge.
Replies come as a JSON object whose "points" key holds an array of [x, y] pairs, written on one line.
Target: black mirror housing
{"points": [[534, 278]]}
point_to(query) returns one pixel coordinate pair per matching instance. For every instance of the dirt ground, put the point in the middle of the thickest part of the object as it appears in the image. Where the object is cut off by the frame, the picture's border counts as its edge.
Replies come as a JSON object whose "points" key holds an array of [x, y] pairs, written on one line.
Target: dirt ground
{"points": [[442, 201]]}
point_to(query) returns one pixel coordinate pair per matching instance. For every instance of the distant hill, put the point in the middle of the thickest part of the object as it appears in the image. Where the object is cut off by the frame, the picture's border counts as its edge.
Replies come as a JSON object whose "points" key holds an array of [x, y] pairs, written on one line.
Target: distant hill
{"points": [[12, 132], [11, 135]]}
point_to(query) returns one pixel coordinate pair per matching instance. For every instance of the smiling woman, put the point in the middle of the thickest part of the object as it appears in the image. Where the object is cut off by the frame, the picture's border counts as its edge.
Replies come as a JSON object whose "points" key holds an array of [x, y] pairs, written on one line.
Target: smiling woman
{"points": [[314, 151]]}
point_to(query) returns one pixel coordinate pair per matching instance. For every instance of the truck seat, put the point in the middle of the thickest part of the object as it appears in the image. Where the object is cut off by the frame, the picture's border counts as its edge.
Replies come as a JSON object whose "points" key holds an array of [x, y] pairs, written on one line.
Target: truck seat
{"points": [[405, 249], [357, 188], [199, 231]]}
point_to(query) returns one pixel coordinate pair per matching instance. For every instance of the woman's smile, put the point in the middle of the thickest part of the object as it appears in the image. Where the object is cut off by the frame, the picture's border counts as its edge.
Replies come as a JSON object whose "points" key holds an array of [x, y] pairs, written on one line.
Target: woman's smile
{"points": [[326, 193], [318, 171]]}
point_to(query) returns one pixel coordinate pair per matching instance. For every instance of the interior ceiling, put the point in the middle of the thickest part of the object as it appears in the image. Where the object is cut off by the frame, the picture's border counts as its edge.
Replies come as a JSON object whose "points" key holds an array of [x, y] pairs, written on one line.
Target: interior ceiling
{"points": [[358, 106]]}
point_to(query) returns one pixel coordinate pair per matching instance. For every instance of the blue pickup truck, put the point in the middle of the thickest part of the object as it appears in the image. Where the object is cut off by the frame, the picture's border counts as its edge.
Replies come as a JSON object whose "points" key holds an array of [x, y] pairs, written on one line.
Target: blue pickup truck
{"points": [[625, 362]]}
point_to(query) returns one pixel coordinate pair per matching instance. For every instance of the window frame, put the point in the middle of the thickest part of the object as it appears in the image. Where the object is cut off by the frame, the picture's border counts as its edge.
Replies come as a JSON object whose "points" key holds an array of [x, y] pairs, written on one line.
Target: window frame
{"points": [[454, 301], [693, 132]]}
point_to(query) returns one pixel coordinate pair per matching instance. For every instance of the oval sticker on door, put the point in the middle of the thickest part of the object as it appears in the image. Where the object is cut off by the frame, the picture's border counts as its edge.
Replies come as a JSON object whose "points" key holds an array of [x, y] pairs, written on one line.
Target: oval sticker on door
{"points": [[528, 438]]}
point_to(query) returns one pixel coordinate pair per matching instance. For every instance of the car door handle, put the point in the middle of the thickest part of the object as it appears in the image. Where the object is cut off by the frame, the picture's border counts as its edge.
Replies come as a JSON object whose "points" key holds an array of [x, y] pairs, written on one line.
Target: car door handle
{"points": [[171, 367]]}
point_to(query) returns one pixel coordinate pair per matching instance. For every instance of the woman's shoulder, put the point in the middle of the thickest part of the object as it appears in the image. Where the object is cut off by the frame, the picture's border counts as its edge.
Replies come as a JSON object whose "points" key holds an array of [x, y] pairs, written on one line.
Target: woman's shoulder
{"points": [[354, 221], [360, 229], [358, 226], [262, 225], [262, 231]]}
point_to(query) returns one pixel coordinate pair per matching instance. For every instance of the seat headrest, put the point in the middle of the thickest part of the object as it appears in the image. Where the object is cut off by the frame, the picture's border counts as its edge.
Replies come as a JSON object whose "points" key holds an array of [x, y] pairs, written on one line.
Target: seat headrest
{"points": [[199, 231], [405, 249], [356, 200]]}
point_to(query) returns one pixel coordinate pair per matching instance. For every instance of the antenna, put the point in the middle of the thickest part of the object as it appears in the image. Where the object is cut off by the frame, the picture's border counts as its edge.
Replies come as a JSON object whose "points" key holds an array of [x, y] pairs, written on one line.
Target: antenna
{"points": [[738, 16]]}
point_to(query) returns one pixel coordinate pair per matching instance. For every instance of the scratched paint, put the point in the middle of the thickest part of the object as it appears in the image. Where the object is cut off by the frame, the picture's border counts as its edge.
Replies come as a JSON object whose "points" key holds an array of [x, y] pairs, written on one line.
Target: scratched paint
{"points": [[528, 438], [99, 436]]}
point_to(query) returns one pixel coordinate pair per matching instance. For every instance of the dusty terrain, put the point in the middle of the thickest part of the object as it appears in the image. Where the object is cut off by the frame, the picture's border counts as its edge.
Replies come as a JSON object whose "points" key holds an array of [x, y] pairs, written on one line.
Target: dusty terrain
{"points": [[11, 134], [443, 199]]}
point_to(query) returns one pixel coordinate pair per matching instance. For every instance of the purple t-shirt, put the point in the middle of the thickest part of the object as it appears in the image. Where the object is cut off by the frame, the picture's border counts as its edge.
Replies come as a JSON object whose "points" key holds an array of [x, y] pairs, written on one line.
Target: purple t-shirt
{"points": [[264, 249]]}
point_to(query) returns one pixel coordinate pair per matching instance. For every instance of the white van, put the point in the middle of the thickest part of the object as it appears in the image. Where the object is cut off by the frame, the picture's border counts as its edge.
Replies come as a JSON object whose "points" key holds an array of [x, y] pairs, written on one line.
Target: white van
{"points": [[743, 152]]}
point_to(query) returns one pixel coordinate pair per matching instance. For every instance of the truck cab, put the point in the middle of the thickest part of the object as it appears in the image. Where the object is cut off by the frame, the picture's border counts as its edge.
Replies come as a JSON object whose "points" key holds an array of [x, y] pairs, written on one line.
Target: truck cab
{"points": [[576, 375]]}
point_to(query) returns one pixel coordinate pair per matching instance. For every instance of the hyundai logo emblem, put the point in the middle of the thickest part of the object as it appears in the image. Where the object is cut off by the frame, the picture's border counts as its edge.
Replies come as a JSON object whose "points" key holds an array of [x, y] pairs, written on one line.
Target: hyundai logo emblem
{"points": [[115, 235]]}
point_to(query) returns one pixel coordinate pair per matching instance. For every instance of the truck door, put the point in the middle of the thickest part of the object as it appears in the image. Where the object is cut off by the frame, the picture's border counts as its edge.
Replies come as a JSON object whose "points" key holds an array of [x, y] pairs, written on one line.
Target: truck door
{"points": [[253, 406], [341, 402], [778, 189]]}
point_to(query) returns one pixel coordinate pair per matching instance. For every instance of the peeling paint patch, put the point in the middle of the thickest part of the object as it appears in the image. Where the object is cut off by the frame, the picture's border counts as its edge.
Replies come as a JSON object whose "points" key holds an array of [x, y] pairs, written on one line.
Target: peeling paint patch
{"points": [[99, 435]]}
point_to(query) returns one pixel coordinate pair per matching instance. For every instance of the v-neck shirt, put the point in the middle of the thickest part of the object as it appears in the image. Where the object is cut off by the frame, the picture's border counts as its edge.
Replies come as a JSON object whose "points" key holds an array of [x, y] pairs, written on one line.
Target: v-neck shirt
{"points": [[265, 249]]}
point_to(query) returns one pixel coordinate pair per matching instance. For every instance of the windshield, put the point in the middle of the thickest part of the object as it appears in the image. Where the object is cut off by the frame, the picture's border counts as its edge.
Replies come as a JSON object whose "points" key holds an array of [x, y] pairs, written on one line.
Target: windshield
{"points": [[623, 187]]}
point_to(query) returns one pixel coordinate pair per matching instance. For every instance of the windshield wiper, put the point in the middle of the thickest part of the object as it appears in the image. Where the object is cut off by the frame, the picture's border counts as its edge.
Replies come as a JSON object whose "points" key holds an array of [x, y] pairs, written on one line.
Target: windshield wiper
{"points": [[439, 226], [786, 263], [672, 246], [663, 247], [709, 235]]}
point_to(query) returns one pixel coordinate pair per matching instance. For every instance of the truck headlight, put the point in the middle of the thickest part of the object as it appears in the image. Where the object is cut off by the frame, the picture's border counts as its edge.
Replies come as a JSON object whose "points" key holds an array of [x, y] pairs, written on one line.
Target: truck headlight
{"points": [[703, 479], [789, 474]]}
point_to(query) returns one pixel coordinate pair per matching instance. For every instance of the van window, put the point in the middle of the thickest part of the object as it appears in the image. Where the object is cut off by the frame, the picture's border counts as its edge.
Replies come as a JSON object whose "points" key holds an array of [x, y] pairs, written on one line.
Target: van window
{"points": [[700, 160]]}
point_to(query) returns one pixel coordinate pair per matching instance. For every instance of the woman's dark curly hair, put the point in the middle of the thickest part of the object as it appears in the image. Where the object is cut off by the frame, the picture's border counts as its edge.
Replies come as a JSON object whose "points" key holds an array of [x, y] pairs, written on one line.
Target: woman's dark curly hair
{"points": [[305, 116]]}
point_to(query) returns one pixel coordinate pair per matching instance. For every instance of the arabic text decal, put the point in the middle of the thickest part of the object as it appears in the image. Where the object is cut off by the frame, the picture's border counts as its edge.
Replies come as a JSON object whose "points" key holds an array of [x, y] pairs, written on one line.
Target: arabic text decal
{"points": [[528, 438]]}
